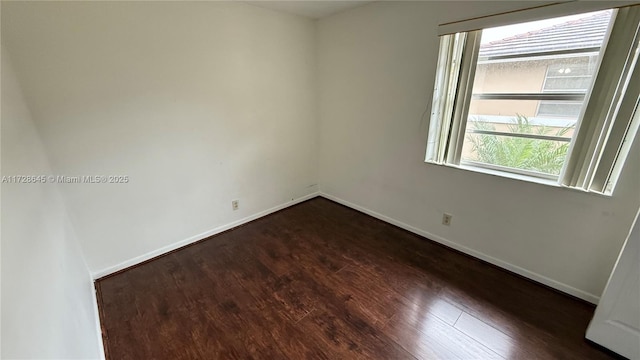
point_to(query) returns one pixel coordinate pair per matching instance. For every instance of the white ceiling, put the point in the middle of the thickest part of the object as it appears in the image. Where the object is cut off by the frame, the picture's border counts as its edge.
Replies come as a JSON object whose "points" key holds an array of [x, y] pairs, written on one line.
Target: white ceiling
{"points": [[314, 9]]}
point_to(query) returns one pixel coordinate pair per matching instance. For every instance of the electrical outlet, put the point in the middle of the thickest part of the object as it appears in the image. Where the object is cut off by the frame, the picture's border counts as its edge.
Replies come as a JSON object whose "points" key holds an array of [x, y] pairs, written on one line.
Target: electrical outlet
{"points": [[235, 204], [446, 219]]}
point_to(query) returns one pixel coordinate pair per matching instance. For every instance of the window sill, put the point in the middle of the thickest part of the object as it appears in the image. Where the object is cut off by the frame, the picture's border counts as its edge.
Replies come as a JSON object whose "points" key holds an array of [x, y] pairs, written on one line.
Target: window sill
{"points": [[519, 177], [508, 175]]}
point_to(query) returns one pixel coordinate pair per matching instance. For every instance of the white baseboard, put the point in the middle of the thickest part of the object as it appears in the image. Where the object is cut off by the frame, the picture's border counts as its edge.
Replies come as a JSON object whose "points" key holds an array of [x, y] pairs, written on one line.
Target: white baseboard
{"points": [[96, 312], [469, 251], [163, 250]]}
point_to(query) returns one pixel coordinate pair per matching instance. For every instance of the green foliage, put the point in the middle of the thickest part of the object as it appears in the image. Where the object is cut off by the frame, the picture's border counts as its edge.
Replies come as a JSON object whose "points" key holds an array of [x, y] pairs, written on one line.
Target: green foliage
{"points": [[544, 156]]}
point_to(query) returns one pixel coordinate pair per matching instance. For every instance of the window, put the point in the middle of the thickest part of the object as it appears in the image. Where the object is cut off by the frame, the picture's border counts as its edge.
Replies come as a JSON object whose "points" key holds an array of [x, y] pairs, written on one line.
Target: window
{"points": [[567, 76], [549, 100]]}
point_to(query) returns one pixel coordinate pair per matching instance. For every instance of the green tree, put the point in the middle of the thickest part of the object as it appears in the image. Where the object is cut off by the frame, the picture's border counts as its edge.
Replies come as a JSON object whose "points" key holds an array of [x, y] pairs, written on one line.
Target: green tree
{"points": [[545, 156]]}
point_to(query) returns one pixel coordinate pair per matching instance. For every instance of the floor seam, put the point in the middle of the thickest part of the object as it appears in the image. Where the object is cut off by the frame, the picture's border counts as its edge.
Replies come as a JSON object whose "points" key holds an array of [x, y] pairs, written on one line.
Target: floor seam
{"points": [[305, 315]]}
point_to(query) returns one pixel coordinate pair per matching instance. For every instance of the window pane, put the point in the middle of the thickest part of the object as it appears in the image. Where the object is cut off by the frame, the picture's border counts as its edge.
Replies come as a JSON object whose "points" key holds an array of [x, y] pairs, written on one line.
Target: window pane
{"points": [[504, 133], [526, 76], [572, 74], [560, 109], [528, 91], [573, 67], [544, 156], [576, 83], [538, 113]]}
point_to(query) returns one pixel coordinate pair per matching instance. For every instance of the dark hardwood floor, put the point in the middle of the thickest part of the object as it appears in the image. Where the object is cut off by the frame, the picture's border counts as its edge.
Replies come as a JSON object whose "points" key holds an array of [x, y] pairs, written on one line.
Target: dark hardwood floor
{"points": [[321, 281]]}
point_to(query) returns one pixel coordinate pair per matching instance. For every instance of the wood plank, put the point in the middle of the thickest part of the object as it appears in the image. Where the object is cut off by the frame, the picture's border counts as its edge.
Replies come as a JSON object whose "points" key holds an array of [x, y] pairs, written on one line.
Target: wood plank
{"points": [[428, 337], [487, 335]]}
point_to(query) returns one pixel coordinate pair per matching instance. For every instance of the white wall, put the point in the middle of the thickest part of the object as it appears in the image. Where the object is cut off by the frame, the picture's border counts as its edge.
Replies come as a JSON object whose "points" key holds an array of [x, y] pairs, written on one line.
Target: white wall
{"points": [[376, 73], [199, 103], [47, 301]]}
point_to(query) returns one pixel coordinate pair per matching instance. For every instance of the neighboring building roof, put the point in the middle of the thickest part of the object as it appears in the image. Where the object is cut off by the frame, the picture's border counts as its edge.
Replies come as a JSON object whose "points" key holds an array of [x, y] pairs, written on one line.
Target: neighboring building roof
{"points": [[584, 32]]}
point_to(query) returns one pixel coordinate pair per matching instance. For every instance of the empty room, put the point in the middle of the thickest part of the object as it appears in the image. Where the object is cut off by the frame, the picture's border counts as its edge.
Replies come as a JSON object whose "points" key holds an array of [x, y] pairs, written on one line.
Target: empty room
{"points": [[320, 180]]}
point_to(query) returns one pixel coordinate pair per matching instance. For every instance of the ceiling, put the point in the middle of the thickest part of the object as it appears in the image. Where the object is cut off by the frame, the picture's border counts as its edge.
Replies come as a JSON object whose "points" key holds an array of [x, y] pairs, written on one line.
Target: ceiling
{"points": [[312, 9]]}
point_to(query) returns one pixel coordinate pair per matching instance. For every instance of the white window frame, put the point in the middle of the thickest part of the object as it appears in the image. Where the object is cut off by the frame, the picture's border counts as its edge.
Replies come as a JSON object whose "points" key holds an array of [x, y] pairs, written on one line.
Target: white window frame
{"points": [[606, 126]]}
